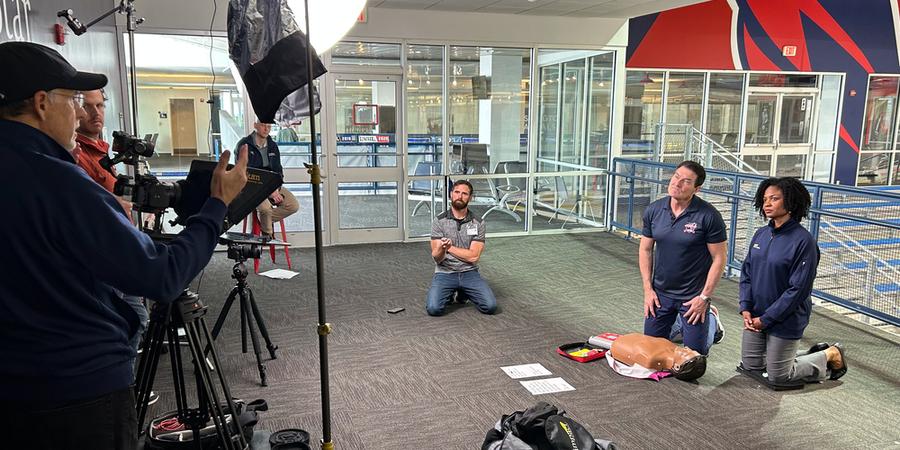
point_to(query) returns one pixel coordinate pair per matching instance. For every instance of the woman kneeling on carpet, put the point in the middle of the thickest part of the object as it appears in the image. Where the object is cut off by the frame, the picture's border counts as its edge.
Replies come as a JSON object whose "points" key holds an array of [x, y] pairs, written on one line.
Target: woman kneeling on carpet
{"points": [[776, 281]]}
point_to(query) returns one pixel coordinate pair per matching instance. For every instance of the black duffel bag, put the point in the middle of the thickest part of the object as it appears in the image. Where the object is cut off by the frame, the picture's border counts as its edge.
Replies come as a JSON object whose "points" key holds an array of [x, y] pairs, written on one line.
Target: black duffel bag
{"points": [[166, 433]]}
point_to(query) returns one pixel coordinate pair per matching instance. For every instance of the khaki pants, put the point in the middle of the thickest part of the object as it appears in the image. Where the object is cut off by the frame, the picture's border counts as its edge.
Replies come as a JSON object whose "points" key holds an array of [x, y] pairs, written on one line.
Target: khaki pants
{"points": [[269, 213]]}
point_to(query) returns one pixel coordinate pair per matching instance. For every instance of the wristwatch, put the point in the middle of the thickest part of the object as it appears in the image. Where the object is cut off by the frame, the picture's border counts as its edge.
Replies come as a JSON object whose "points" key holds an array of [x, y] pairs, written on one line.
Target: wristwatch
{"points": [[704, 298]]}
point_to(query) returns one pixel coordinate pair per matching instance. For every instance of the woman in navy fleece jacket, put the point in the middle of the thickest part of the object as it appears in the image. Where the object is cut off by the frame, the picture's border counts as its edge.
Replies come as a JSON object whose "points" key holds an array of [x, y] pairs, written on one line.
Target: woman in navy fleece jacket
{"points": [[776, 281]]}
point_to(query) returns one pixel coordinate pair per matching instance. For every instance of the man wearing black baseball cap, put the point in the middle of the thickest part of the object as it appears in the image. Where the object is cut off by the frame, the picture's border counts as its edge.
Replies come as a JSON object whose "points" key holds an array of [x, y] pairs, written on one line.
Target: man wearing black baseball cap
{"points": [[70, 254]]}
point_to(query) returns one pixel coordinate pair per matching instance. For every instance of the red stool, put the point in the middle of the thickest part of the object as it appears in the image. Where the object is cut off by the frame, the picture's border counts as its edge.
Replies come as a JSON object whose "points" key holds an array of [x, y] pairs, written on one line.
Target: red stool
{"points": [[257, 231]]}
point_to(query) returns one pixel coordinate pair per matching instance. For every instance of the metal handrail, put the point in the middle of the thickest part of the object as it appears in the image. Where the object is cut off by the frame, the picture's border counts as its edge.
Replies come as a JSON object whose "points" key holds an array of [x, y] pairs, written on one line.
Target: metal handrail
{"points": [[858, 246]]}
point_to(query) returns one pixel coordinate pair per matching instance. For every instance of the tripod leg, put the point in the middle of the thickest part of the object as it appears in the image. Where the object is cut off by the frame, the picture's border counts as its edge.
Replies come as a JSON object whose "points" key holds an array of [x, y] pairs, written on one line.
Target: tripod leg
{"points": [[262, 325], [246, 311], [222, 315], [152, 349], [201, 330], [209, 398]]}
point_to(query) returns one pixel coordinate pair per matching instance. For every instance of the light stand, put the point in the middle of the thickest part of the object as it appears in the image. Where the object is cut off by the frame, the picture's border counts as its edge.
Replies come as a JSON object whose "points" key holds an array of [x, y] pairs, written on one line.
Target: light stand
{"points": [[125, 7], [315, 175]]}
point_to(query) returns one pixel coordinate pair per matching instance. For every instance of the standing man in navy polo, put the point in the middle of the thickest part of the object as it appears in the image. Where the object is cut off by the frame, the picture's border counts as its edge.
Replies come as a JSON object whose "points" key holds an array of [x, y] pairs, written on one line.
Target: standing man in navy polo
{"points": [[680, 277]]}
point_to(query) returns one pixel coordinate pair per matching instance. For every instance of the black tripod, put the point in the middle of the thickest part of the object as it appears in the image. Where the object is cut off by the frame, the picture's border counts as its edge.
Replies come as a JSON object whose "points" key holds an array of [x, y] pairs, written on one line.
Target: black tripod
{"points": [[214, 401], [250, 316]]}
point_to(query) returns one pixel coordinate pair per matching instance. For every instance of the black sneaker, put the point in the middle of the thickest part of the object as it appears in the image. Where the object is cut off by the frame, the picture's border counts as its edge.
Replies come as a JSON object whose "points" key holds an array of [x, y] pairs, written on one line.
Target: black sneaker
{"points": [[720, 330]]}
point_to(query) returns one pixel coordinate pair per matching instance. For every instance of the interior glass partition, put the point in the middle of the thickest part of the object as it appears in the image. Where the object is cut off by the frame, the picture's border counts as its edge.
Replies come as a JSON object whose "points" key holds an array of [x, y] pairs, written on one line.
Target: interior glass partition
{"points": [[488, 92], [187, 97], [424, 106], [723, 111], [684, 98], [643, 111], [575, 108], [877, 152]]}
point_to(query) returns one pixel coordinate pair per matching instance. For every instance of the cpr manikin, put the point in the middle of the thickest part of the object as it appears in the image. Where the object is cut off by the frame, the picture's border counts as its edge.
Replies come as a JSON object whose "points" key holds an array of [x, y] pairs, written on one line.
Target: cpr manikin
{"points": [[658, 354]]}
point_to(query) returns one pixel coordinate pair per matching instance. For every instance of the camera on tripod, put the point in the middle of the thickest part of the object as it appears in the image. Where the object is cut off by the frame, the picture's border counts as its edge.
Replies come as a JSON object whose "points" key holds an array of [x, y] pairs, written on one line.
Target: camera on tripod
{"points": [[186, 197], [146, 192], [243, 252]]}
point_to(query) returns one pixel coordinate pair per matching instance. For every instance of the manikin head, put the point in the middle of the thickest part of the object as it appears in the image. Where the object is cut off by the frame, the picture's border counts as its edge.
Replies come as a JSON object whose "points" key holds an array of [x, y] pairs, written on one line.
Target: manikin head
{"points": [[688, 364]]}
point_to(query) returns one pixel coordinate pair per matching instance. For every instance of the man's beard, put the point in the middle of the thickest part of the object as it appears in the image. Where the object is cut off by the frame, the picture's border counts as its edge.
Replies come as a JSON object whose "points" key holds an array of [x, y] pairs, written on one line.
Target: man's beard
{"points": [[459, 205]]}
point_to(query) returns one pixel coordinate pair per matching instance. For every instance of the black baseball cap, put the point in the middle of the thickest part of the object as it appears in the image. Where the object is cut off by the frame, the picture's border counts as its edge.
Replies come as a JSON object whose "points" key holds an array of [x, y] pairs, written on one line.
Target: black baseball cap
{"points": [[30, 67]]}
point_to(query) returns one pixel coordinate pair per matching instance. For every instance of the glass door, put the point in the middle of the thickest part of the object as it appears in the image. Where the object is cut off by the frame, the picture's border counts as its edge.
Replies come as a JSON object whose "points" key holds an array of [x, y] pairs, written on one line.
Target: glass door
{"points": [[778, 134], [365, 161]]}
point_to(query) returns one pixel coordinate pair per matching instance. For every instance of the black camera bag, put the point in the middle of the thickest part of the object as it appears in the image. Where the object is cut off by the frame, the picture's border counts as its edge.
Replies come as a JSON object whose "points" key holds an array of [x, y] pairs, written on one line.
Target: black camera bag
{"points": [[247, 414]]}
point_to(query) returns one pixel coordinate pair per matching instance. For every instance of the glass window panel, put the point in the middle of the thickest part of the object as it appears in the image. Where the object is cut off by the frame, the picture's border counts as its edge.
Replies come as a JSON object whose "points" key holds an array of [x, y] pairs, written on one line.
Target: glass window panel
{"points": [[366, 54], [569, 202], [791, 166], [600, 109], [796, 119], [501, 201], [895, 171], [761, 119], [723, 117], [881, 111], [488, 92], [425, 200], [643, 111], [366, 117], [873, 169], [760, 163], [684, 98], [424, 116], [783, 80], [370, 204], [571, 127], [828, 113], [822, 167], [173, 94], [549, 113], [302, 221]]}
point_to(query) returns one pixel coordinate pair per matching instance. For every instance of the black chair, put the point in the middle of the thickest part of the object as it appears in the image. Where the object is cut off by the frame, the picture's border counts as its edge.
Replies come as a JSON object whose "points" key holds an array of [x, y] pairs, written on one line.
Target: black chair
{"points": [[425, 187], [514, 191]]}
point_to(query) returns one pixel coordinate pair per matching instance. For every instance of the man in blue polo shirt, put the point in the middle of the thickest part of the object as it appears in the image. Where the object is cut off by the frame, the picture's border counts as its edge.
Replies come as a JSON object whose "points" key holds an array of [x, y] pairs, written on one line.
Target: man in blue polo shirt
{"points": [[680, 277]]}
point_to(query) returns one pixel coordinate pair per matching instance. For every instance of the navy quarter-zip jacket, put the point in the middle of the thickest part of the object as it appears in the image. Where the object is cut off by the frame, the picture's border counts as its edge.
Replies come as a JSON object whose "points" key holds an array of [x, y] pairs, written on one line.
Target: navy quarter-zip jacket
{"points": [[777, 278], [69, 253]]}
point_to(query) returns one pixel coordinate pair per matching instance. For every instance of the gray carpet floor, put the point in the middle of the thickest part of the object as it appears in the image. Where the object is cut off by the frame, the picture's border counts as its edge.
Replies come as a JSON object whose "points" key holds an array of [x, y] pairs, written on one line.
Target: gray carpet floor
{"points": [[413, 381]]}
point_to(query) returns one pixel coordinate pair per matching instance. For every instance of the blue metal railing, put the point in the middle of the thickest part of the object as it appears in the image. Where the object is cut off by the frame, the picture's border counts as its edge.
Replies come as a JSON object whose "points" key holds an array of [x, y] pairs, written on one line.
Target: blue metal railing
{"points": [[857, 230]]}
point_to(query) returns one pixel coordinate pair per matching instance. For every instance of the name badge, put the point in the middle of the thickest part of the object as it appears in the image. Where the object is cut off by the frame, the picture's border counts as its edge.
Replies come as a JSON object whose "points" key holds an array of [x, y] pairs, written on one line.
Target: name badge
{"points": [[472, 231]]}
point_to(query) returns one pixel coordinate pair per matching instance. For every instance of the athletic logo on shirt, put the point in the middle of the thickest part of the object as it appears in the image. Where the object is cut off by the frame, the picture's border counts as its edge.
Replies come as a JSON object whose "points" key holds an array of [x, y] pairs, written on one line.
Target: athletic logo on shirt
{"points": [[690, 227], [756, 246]]}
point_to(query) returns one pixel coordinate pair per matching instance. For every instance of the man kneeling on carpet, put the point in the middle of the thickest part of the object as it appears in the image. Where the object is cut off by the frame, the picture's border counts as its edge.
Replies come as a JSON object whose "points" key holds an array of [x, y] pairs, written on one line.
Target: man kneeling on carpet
{"points": [[457, 240]]}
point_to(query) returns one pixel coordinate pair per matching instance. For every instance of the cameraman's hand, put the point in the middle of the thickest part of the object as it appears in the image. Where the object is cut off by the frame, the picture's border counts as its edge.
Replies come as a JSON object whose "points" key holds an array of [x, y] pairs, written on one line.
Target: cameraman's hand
{"points": [[227, 184]]}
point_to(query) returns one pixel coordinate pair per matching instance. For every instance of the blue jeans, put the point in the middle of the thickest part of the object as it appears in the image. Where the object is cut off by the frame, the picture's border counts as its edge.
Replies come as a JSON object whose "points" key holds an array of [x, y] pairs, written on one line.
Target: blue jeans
{"points": [[470, 283], [696, 337], [143, 317], [710, 333]]}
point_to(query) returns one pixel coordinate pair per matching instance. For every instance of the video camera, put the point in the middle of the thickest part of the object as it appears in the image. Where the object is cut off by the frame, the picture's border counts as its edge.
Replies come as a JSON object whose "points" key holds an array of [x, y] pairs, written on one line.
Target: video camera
{"points": [[186, 197]]}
